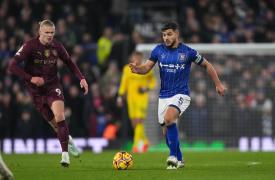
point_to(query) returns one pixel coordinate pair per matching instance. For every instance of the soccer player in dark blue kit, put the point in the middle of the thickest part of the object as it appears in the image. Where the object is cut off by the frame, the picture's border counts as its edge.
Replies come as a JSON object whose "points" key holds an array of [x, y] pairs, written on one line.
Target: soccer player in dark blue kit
{"points": [[40, 56], [174, 60]]}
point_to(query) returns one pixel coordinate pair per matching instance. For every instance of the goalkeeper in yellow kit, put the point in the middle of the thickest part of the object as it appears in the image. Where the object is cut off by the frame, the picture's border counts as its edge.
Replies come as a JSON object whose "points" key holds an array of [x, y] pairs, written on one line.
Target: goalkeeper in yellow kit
{"points": [[136, 89]]}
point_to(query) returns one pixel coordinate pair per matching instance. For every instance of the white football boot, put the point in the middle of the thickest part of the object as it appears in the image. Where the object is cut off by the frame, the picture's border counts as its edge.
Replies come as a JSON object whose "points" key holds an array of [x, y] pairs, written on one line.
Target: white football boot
{"points": [[73, 150], [65, 159], [180, 164], [172, 162], [4, 171]]}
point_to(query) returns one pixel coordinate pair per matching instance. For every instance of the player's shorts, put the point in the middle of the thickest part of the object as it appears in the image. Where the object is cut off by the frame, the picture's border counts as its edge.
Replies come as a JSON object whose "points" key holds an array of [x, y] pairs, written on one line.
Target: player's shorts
{"points": [[44, 97], [179, 101]]}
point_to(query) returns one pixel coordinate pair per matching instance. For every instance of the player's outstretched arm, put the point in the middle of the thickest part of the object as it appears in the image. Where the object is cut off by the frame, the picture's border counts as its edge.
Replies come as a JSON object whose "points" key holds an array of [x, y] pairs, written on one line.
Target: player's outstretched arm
{"points": [[65, 57], [143, 68], [220, 89]]}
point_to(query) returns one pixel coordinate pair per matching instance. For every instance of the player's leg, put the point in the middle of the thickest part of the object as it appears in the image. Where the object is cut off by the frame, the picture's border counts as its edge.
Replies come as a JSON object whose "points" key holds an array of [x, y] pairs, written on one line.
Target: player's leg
{"points": [[170, 119], [143, 138], [137, 113], [179, 154], [132, 116], [4, 170], [162, 110], [181, 103], [72, 148], [140, 114], [57, 108], [141, 142]]}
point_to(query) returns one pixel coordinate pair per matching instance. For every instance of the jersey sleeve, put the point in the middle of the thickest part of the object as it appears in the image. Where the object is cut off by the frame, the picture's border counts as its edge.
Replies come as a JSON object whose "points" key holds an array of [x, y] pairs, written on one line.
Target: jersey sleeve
{"points": [[154, 55], [23, 54], [65, 57], [195, 56]]}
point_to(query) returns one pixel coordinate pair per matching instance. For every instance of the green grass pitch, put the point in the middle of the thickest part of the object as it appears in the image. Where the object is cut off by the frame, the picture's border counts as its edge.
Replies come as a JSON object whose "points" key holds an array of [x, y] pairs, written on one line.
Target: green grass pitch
{"points": [[199, 165]]}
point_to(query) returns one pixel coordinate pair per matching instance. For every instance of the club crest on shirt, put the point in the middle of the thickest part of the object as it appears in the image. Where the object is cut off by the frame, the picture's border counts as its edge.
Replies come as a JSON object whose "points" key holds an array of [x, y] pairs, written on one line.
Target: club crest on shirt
{"points": [[181, 56], [47, 53], [54, 52]]}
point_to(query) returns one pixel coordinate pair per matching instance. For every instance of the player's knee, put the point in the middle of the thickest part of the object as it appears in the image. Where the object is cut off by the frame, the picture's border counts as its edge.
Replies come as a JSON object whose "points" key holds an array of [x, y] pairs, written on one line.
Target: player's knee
{"points": [[169, 119], [59, 117]]}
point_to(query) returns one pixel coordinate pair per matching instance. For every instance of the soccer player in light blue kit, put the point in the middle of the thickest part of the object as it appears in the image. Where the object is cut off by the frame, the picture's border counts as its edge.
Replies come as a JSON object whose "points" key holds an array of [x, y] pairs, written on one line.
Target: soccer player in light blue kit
{"points": [[174, 60]]}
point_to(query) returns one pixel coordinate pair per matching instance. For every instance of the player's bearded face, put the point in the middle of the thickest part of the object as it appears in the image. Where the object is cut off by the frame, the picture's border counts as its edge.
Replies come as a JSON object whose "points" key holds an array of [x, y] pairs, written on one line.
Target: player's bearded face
{"points": [[170, 37], [46, 34]]}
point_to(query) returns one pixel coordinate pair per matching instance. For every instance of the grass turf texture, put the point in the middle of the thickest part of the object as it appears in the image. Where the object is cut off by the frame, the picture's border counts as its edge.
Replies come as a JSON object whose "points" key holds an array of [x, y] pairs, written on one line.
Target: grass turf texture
{"points": [[199, 165]]}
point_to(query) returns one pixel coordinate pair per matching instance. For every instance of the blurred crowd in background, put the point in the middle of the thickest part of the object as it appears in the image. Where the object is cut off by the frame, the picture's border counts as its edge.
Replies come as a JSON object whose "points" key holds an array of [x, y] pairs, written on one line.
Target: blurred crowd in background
{"points": [[100, 35], [246, 110]]}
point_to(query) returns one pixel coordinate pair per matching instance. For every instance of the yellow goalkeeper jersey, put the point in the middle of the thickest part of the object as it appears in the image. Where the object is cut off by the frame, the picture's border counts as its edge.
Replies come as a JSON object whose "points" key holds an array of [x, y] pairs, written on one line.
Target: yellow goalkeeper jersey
{"points": [[132, 85]]}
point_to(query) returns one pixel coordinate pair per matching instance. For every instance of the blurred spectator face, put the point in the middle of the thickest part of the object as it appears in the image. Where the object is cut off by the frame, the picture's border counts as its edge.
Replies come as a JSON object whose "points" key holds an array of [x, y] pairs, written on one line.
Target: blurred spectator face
{"points": [[26, 116], [46, 34], [170, 37], [73, 91], [108, 32], [200, 100], [136, 58], [113, 67], [137, 38]]}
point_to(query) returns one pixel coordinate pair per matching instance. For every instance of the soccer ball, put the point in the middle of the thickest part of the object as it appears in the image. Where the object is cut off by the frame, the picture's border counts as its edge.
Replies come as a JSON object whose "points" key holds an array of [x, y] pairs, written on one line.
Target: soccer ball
{"points": [[123, 160]]}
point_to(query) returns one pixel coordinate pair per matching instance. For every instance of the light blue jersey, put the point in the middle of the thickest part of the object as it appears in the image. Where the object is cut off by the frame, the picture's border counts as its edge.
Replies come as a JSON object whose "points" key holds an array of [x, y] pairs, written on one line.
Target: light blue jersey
{"points": [[174, 66]]}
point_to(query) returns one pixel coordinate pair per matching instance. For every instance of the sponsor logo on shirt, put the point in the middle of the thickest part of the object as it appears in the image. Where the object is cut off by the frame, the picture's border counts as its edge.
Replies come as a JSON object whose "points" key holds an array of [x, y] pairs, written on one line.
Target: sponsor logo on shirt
{"points": [[47, 61], [172, 66]]}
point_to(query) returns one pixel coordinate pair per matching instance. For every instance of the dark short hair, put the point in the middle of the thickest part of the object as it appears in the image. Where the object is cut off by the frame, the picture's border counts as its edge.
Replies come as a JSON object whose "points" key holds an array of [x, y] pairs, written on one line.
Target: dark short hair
{"points": [[170, 25]]}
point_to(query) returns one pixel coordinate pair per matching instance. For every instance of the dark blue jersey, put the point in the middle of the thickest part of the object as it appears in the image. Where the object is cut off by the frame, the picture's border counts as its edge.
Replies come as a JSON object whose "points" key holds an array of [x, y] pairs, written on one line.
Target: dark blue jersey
{"points": [[174, 67]]}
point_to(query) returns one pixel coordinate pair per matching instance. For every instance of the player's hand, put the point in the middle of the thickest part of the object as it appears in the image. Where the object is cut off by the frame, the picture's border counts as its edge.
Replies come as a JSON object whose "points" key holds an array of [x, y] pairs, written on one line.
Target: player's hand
{"points": [[38, 81], [134, 67], [84, 86], [220, 89]]}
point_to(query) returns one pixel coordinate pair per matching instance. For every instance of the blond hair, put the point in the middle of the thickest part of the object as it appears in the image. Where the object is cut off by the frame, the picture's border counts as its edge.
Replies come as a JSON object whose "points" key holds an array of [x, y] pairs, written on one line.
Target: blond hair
{"points": [[46, 22]]}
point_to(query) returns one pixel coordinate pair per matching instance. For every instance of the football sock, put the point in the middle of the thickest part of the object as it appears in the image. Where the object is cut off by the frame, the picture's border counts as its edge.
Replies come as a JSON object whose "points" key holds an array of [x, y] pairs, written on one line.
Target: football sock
{"points": [[63, 134], [142, 133], [167, 143], [179, 155], [136, 138], [172, 137]]}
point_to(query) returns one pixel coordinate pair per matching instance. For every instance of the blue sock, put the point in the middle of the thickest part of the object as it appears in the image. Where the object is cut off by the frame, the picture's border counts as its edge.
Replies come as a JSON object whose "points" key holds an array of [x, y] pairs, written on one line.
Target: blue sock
{"points": [[179, 155], [166, 140], [172, 137]]}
